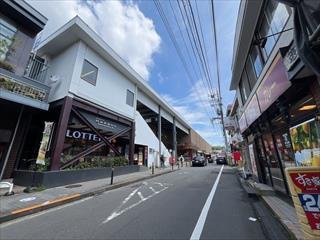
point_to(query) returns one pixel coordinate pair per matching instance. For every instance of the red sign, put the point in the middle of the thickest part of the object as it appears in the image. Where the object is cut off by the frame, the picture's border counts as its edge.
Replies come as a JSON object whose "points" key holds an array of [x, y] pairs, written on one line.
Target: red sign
{"points": [[311, 207], [306, 182]]}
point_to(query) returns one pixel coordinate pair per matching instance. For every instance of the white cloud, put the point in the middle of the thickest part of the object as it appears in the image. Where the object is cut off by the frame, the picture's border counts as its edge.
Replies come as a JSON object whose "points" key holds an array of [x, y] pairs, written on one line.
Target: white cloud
{"points": [[122, 25], [196, 109]]}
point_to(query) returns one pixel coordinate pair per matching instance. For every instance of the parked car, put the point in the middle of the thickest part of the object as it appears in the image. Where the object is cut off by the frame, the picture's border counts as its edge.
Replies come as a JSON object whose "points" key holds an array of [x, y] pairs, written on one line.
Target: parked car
{"points": [[199, 161], [221, 160]]}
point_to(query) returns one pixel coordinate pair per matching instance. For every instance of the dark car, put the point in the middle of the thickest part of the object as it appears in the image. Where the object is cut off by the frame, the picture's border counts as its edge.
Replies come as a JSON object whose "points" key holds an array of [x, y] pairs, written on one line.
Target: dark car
{"points": [[199, 161], [221, 160]]}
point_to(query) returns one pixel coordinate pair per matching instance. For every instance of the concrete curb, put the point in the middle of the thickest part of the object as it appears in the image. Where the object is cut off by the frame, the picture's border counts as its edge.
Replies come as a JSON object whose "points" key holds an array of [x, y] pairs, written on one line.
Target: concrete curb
{"points": [[259, 196], [71, 198]]}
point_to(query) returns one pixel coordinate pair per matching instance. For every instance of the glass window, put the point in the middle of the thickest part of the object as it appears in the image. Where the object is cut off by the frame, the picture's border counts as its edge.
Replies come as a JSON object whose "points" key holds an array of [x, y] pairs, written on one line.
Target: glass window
{"points": [[267, 41], [89, 72], [277, 14], [130, 98], [250, 73], [7, 33], [244, 87], [256, 61]]}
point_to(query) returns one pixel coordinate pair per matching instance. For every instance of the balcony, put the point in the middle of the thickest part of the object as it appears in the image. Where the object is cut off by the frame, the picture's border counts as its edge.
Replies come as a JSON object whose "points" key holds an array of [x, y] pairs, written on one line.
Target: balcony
{"points": [[29, 89]]}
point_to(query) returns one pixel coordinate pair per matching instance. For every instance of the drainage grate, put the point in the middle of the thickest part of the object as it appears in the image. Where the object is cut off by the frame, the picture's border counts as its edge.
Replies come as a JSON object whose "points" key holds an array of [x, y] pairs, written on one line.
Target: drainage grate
{"points": [[73, 186]]}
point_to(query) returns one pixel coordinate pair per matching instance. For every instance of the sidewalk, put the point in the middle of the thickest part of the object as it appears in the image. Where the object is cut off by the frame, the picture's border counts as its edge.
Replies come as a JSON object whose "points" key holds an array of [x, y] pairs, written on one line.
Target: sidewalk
{"points": [[285, 212], [22, 204]]}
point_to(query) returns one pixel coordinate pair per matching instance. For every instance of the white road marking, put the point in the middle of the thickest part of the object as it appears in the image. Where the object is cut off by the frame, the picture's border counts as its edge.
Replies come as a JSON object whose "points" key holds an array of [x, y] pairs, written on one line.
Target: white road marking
{"points": [[28, 217], [141, 196], [159, 184], [202, 219], [152, 189], [117, 212]]}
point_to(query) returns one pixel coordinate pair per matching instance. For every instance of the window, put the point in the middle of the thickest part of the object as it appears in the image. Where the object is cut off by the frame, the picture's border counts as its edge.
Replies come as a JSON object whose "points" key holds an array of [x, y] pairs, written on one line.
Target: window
{"points": [[130, 98], [250, 73], [276, 15], [256, 61], [7, 32], [244, 87], [89, 72]]}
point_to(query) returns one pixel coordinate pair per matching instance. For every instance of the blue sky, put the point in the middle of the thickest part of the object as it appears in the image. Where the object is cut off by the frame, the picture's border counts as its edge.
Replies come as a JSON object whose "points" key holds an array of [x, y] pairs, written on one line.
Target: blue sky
{"points": [[135, 30]]}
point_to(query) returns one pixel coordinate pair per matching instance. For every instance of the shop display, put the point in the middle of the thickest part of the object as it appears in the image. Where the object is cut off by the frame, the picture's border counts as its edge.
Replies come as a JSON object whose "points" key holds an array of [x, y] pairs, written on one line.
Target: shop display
{"points": [[305, 139]]}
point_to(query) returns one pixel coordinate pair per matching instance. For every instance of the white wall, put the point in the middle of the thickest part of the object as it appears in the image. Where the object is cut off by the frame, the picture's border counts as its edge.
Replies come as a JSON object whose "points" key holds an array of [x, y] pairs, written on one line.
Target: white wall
{"points": [[61, 66], [145, 136]]}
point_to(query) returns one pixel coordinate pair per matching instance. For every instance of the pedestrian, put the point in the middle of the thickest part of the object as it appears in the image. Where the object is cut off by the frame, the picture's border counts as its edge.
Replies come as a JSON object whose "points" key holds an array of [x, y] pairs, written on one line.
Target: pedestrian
{"points": [[237, 157], [162, 161], [181, 160]]}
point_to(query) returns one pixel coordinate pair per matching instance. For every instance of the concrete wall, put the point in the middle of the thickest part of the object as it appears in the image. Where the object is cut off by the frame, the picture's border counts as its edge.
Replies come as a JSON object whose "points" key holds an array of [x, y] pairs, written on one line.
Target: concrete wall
{"points": [[62, 67]]}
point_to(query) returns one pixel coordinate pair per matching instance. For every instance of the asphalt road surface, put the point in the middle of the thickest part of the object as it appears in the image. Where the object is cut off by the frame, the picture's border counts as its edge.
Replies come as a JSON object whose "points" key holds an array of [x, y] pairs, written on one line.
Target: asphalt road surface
{"points": [[192, 203]]}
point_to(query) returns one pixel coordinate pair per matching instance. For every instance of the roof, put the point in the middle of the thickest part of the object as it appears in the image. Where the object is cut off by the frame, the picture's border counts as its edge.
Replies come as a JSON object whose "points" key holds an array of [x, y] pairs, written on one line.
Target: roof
{"points": [[76, 29], [249, 12]]}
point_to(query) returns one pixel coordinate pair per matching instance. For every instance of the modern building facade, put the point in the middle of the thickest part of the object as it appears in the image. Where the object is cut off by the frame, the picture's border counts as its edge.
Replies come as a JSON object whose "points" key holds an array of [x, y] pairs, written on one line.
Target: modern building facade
{"points": [[278, 96], [23, 92], [87, 106]]}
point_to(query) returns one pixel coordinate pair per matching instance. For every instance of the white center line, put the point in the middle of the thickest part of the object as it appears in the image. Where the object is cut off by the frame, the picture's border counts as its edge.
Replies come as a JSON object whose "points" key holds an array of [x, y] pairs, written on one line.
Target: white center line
{"points": [[202, 219]]}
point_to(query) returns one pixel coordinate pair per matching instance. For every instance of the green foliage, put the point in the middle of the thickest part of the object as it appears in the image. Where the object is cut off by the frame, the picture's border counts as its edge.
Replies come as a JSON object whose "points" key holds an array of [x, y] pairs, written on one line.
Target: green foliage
{"points": [[39, 167], [98, 162], [6, 66]]}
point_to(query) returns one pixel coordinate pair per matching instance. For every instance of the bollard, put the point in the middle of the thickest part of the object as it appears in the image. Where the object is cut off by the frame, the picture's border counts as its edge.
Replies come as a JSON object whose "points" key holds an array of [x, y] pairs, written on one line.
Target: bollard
{"points": [[112, 170], [152, 168]]}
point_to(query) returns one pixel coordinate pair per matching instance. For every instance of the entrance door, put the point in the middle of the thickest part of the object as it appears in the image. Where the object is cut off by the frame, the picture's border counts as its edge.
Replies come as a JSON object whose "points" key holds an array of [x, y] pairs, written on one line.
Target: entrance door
{"points": [[264, 163], [275, 168]]}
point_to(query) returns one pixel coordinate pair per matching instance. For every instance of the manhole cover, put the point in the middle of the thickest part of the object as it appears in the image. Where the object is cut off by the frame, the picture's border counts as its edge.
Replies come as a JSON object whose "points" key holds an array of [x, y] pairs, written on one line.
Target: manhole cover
{"points": [[73, 186]]}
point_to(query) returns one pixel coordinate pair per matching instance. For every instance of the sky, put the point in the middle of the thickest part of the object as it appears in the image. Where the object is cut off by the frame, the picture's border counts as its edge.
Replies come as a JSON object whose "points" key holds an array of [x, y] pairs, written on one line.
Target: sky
{"points": [[135, 30]]}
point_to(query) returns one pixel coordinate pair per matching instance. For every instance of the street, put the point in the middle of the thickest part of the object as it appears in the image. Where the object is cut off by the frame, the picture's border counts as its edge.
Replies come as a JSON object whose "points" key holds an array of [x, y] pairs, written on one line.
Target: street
{"points": [[172, 206]]}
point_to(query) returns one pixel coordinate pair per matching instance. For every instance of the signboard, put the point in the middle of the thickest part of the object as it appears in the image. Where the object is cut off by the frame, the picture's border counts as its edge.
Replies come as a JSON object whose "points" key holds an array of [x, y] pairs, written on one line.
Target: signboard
{"points": [[46, 137], [305, 139], [104, 123], [242, 123], [253, 161], [304, 184], [275, 83], [253, 110]]}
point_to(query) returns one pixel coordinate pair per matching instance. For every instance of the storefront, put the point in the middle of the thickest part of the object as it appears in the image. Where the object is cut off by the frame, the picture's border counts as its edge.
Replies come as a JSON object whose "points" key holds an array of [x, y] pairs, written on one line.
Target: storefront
{"points": [[281, 125]]}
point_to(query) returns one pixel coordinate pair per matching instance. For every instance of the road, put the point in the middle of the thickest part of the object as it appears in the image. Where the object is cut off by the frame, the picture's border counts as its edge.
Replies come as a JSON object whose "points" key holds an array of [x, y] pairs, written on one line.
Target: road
{"points": [[189, 203]]}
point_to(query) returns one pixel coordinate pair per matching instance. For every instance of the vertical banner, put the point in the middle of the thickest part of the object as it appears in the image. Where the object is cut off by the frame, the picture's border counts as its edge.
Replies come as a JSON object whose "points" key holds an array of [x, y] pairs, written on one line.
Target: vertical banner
{"points": [[46, 137], [253, 161], [304, 184]]}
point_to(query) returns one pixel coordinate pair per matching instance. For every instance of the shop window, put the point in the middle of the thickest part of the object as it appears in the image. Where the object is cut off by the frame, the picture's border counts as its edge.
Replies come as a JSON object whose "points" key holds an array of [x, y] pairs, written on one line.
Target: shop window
{"points": [[7, 32], [89, 72], [130, 98], [244, 87], [277, 14]]}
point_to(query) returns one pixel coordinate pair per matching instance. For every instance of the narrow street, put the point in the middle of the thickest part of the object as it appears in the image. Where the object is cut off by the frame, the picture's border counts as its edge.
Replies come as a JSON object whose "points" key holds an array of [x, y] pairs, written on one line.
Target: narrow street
{"points": [[165, 207]]}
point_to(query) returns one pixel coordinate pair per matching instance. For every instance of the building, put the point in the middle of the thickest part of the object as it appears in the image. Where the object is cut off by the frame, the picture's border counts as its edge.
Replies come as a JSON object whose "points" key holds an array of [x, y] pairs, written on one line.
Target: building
{"points": [[23, 92], [278, 95]]}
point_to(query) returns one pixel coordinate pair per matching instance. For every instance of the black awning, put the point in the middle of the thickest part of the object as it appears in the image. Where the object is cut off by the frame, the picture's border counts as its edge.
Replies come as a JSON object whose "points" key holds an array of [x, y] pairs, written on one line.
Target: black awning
{"points": [[306, 22]]}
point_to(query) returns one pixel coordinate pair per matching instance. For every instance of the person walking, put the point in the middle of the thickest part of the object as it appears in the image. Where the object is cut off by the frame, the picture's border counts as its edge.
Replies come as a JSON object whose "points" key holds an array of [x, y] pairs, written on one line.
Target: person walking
{"points": [[181, 160], [162, 161]]}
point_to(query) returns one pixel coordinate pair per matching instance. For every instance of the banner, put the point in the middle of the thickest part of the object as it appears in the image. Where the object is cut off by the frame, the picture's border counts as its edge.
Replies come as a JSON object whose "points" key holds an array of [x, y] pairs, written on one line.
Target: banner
{"points": [[46, 137], [304, 185]]}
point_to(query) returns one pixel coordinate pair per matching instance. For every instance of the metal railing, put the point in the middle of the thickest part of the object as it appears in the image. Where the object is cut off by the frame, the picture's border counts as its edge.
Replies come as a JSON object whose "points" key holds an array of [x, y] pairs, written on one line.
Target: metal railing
{"points": [[36, 69]]}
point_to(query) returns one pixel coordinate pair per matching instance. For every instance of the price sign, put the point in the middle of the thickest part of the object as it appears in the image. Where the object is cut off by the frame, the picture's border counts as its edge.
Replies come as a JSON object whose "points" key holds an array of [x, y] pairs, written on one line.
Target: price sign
{"points": [[311, 206]]}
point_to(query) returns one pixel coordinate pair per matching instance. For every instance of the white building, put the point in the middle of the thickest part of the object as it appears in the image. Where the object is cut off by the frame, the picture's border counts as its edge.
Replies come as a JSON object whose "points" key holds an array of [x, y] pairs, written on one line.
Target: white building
{"points": [[95, 94]]}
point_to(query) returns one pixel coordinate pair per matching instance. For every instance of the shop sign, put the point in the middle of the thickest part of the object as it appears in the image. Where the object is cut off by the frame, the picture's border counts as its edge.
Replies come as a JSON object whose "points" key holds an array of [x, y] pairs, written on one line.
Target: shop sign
{"points": [[253, 161], [242, 123], [291, 57], [104, 123], [304, 184], [273, 85], [82, 135], [252, 111]]}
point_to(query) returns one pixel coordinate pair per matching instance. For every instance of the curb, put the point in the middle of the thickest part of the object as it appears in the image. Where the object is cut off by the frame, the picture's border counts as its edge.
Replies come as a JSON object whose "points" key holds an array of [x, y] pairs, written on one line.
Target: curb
{"points": [[71, 198], [259, 196]]}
